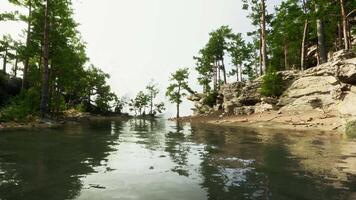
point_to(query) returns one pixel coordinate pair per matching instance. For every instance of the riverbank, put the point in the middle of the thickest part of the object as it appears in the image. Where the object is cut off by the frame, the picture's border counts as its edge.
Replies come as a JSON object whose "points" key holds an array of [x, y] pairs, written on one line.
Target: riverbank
{"points": [[319, 98], [51, 123], [296, 121]]}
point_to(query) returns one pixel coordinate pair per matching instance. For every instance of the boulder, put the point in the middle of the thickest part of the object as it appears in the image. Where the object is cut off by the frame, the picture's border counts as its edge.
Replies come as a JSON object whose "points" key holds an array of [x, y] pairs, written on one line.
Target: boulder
{"points": [[244, 110], [307, 92], [347, 71], [250, 94], [263, 107], [347, 107]]}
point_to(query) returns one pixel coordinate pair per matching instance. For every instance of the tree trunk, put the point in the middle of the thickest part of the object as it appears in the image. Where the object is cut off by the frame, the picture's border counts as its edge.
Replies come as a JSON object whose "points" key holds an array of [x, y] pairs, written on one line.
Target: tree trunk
{"points": [[151, 105], [178, 100], [344, 25], [28, 39], [177, 110], [340, 36], [240, 73], [215, 76], [16, 65], [224, 69], [5, 60], [263, 38], [45, 76], [302, 57], [219, 74], [321, 37], [260, 68], [286, 63]]}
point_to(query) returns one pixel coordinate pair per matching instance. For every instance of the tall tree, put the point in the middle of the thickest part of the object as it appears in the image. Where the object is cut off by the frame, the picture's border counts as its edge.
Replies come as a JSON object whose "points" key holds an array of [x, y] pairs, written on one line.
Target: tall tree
{"points": [[239, 53], [28, 41], [179, 83], [153, 91], [263, 36], [305, 32], [320, 33], [45, 75], [5, 47], [259, 18], [344, 25]]}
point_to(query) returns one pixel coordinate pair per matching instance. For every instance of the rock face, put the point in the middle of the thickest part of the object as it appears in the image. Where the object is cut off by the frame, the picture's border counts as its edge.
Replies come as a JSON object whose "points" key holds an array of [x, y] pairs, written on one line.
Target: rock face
{"points": [[330, 87]]}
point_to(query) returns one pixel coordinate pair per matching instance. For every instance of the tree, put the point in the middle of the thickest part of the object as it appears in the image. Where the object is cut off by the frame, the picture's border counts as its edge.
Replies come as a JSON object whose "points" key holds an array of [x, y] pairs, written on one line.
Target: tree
{"points": [[179, 83], [285, 37], [152, 90], [259, 18], [6, 45], [27, 19], [139, 103], [239, 53], [321, 34], [204, 68], [45, 75]]}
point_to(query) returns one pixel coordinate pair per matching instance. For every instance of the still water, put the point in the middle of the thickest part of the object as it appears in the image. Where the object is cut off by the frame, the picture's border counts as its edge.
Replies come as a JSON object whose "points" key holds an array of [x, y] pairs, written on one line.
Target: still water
{"points": [[153, 160]]}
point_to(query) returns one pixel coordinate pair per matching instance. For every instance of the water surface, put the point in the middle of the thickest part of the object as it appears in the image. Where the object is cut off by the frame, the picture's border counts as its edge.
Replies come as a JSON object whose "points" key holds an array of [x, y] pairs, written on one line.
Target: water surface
{"points": [[153, 160]]}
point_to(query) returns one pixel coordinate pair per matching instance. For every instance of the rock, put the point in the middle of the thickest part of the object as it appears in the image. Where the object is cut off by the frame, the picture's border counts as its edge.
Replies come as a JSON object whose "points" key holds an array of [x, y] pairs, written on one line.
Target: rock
{"points": [[195, 97], [244, 110], [347, 72], [264, 107], [351, 128], [347, 107], [244, 120], [342, 55], [306, 91], [250, 94]]}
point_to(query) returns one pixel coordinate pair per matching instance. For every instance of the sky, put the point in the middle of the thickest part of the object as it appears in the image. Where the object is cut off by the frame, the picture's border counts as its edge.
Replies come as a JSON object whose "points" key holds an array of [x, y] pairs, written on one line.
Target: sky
{"points": [[139, 40]]}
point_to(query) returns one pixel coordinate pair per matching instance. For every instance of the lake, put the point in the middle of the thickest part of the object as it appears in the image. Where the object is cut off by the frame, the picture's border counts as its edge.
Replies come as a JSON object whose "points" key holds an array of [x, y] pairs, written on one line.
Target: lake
{"points": [[160, 159]]}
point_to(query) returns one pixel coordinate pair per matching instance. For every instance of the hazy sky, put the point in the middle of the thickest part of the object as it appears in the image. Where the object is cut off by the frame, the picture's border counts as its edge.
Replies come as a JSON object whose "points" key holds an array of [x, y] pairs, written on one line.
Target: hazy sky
{"points": [[138, 40]]}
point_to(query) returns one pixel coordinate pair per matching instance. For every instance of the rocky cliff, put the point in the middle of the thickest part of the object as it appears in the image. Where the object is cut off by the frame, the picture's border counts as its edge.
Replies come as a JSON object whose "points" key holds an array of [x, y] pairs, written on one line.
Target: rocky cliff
{"points": [[329, 88]]}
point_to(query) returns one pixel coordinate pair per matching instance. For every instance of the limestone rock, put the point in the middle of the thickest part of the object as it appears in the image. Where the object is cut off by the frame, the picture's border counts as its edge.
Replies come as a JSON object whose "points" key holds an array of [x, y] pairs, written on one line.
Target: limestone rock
{"points": [[244, 110], [347, 107], [263, 107], [347, 72]]}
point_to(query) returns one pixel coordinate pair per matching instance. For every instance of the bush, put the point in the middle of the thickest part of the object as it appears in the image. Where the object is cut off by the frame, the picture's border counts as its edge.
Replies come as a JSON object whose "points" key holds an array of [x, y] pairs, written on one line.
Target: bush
{"points": [[351, 129], [21, 107], [210, 98], [272, 84]]}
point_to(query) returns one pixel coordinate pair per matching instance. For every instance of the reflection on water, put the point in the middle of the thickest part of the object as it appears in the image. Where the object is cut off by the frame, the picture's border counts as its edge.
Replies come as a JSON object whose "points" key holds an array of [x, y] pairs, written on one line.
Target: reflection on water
{"points": [[158, 159]]}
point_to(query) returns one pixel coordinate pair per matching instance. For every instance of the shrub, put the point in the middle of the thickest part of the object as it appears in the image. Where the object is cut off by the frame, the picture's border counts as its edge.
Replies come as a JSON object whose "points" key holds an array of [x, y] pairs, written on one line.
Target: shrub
{"points": [[210, 98], [21, 107], [351, 129], [272, 84]]}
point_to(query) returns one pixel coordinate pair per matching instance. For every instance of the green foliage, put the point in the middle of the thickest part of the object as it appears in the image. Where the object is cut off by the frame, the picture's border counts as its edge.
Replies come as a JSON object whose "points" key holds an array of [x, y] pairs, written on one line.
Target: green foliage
{"points": [[210, 98], [179, 84], [139, 104], [351, 129], [21, 107], [272, 84]]}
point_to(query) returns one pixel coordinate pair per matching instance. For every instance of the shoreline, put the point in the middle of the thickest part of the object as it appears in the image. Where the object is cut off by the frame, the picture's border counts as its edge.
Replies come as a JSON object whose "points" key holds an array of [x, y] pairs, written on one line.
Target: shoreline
{"points": [[274, 120], [52, 123]]}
